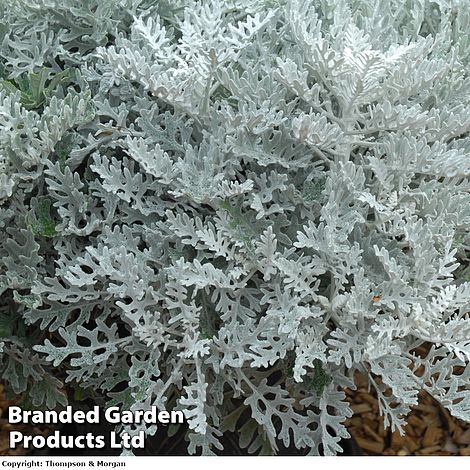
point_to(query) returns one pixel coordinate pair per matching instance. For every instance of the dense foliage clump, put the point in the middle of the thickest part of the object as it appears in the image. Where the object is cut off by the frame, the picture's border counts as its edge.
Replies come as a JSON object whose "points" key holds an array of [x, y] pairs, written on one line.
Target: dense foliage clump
{"points": [[230, 206]]}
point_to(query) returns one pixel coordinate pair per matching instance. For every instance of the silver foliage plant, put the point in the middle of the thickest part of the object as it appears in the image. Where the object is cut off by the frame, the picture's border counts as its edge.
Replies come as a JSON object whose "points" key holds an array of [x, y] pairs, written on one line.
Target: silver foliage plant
{"points": [[231, 206]]}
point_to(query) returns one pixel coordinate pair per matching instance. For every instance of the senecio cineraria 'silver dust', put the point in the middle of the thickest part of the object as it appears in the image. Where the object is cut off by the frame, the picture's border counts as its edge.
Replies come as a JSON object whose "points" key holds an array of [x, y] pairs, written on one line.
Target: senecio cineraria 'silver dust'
{"points": [[228, 207]]}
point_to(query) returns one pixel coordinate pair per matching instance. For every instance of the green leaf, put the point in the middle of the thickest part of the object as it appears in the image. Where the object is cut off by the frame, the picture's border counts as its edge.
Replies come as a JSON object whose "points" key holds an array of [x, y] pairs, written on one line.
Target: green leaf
{"points": [[78, 393], [9, 86], [30, 301], [62, 78], [33, 89], [320, 378], [7, 325], [41, 222]]}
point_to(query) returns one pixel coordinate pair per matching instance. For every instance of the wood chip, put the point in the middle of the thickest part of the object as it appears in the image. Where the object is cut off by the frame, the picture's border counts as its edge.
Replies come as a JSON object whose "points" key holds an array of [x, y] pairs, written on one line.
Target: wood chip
{"points": [[431, 419], [463, 438], [372, 434], [382, 431], [371, 417], [411, 432], [398, 442], [430, 450], [4, 445], [389, 451], [464, 451], [355, 422], [416, 423], [449, 421], [369, 399], [450, 446], [371, 422], [425, 408], [361, 408], [371, 446], [413, 444], [432, 436]]}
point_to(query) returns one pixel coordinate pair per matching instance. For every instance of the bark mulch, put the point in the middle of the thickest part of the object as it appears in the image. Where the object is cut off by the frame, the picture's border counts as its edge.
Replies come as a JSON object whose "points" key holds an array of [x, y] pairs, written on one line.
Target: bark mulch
{"points": [[431, 430], [6, 427]]}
